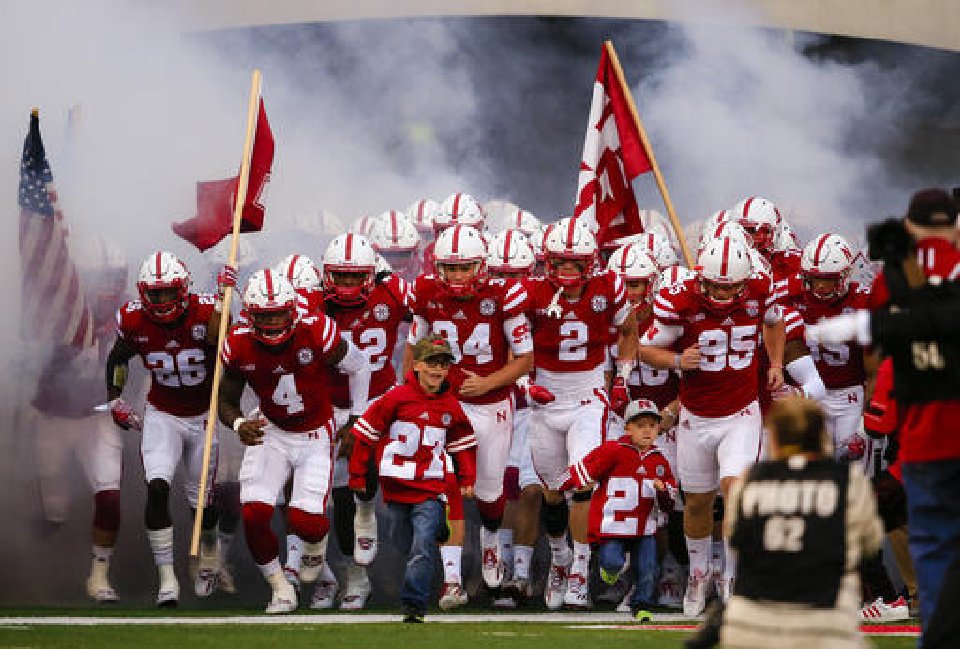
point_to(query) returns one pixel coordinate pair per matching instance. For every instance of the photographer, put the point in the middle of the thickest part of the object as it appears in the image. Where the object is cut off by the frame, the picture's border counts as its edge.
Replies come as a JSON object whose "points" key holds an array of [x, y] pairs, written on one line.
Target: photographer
{"points": [[914, 319]]}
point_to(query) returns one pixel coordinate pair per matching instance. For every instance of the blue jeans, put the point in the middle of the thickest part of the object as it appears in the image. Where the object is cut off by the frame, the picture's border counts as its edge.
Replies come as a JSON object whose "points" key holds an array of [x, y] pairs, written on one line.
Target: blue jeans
{"points": [[643, 562], [413, 528], [933, 515]]}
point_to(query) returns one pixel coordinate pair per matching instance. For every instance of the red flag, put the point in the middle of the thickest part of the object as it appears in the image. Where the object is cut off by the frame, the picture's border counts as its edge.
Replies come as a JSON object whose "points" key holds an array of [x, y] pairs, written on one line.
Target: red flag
{"points": [[216, 198], [613, 155]]}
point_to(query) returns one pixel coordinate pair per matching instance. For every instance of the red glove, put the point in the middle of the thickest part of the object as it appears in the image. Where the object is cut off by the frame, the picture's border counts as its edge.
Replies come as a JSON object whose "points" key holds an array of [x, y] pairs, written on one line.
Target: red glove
{"points": [[124, 416], [227, 277], [540, 394], [619, 397]]}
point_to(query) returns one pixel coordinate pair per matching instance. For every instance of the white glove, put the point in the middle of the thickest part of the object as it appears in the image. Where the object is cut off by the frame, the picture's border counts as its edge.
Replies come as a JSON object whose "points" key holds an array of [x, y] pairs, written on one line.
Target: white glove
{"points": [[841, 329]]}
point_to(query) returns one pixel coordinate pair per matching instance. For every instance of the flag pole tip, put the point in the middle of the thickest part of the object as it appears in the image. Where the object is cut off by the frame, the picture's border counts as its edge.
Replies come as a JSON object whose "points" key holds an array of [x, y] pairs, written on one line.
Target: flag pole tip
{"points": [[34, 112]]}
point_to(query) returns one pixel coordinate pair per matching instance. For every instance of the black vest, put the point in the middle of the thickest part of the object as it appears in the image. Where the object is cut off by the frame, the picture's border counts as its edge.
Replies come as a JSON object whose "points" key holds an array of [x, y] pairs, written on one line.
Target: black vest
{"points": [[790, 533]]}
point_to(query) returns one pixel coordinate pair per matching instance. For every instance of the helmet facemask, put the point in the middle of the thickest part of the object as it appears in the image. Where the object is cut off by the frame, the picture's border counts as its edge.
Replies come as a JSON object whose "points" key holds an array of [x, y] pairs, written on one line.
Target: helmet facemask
{"points": [[461, 278], [569, 270], [272, 325], [164, 301], [348, 285]]}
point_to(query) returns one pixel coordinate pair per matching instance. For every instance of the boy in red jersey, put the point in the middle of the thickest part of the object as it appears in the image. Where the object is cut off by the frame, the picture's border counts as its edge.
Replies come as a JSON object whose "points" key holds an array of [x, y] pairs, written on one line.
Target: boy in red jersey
{"points": [[634, 482], [409, 432]]}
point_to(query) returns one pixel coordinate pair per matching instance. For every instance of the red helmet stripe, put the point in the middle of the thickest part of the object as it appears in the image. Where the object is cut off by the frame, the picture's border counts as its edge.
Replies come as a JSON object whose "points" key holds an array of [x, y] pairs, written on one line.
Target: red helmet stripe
{"points": [[746, 207], [816, 253], [456, 239], [293, 264], [393, 227], [570, 229], [506, 245], [421, 205], [348, 252], [519, 218], [456, 206], [623, 263], [726, 256], [159, 256], [268, 277]]}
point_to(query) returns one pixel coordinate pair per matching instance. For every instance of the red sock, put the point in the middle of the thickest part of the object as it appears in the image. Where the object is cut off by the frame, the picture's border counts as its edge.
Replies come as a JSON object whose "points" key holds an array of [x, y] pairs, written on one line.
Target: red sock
{"points": [[309, 527], [106, 510], [260, 538], [491, 513]]}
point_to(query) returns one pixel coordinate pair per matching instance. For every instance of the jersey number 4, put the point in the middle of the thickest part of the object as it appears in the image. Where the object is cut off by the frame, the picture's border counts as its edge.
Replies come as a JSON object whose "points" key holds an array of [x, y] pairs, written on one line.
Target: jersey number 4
{"points": [[477, 345]]}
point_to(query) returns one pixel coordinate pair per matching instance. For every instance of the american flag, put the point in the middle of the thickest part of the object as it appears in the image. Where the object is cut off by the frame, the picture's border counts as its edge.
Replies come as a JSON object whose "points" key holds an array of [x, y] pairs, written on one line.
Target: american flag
{"points": [[53, 307]]}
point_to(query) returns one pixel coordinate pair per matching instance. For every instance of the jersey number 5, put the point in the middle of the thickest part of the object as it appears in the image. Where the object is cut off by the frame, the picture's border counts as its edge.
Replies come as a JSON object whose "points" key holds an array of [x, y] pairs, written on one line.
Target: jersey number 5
{"points": [[719, 350]]}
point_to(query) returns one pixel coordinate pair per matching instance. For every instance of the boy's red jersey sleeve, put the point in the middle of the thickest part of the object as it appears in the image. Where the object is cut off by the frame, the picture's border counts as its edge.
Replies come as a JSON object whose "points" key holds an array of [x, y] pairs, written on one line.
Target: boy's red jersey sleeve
{"points": [[595, 466], [373, 424]]}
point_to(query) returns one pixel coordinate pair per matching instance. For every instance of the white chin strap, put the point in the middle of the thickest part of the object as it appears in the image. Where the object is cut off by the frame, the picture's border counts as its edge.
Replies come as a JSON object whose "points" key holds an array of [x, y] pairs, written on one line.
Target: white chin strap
{"points": [[554, 310]]}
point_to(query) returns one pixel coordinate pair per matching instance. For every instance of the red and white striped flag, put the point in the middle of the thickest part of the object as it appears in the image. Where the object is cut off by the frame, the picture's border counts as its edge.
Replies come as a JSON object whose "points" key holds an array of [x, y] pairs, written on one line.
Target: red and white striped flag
{"points": [[613, 155], [53, 307]]}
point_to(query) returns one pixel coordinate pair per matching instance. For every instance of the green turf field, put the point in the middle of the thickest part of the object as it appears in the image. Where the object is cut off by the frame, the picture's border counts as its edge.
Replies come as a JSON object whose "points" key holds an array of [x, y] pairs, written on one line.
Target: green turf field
{"points": [[534, 635]]}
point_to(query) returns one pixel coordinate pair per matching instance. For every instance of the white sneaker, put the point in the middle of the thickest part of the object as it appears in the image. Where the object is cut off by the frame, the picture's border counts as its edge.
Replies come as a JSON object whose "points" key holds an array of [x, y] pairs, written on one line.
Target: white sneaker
{"points": [[324, 595], [577, 595], [881, 611], [452, 595], [364, 534], [556, 586], [168, 595], [358, 589], [292, 576], [312, 562], [207, 576], [99, 588], [225, 577], [284, 599], [670, 585], [624, 605], [695, 599], [491, 553], [518, 589]]}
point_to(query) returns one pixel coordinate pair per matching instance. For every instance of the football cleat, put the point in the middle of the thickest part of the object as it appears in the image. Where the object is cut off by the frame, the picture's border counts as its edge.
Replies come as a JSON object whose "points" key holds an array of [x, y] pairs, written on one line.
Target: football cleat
{"points": [[292, 576], [324, 595], [556, 586], [881, 611], [168, 595], [577, 595], [695, 599], [518, 589], [99, 588], [492, 551], [452, 595], [365, 534], [206, 582], [311, 564], [284, 599], [669, 590], [358, 589]]}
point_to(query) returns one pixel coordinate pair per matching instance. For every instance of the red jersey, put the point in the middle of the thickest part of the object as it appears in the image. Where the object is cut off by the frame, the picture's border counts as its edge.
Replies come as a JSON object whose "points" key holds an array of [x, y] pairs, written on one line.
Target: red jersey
{"points": [[646, 382], [728, 378], [785, 263], [571, 346], [292, 380], [373, 327], [930, 431], [427, 265], [481, 330], [410, 432], [839, 365], [309, 301], [177, 354], [625, 503]]}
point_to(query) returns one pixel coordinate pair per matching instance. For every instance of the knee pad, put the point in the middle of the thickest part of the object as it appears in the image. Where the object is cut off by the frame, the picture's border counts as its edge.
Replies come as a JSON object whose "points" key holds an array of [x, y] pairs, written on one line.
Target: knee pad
{"points": [[309, 527], [582, 496], [106, 510], [555, 517], [491, 513], [157, 516], [260, 538]]}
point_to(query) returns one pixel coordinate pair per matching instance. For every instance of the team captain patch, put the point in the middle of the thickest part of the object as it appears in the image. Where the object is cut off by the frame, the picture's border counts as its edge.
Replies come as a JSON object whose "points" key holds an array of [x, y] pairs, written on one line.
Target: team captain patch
{"points": [[599, 303], [305, 356]]}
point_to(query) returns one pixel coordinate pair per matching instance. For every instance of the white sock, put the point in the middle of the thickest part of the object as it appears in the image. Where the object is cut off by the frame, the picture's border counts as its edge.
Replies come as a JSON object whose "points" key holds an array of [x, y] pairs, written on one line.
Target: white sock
{"points": [[506, 542], [161, 542], [699, 551], [102, 554], [451, 556], [581, 558], [730, 561], [522, 556], [318, 549], [366, 509], [294, 552], [718, 553], [270, 569], [559, 550]]}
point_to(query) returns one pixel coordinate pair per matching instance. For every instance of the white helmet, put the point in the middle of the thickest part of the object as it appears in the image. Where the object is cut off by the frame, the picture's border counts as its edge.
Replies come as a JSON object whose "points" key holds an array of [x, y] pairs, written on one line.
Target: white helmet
{"points": [[660, 247], [716, 218], [829, 257], [632, 263], [363, 225], [786, 238], [396, 239], [510, 252], [458, 209], [421, 214], [382, 266], [725, 262], [760, 218], [299, 271], [522, 220], [730, 229], [670, 277], [570, 238], [164, 286], [349, 254], [654, 221], [460, 244], [269, 293]]}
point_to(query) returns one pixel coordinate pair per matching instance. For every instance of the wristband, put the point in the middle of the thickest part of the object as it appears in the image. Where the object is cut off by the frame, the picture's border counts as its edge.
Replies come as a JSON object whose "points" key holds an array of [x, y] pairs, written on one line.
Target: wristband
{"points": [[237, 422]]}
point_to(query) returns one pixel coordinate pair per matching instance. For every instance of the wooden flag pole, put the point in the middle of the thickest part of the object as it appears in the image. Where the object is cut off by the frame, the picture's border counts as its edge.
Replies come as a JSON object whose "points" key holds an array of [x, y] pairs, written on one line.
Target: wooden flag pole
{"points": [[661, 184], [253, 109]]}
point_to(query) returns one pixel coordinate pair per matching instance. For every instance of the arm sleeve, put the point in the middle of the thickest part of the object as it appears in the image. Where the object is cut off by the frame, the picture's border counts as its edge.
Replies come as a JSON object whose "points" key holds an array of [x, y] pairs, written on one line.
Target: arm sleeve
{"points": [[360, 458], [466, 462], [805, 373], [356, 365], [373, 423], [621, 306], [418, 329], [661, 335], [595, 465], [460, 435]]}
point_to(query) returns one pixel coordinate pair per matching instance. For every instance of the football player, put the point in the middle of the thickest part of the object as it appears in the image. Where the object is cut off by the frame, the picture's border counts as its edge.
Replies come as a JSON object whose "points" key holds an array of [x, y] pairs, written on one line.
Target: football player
{"points": [[709, 328], [762, 221], [483, 320], [369, 311], [174, 332], [396, 239], [456, 209], [286, 359], [572, 311]]}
